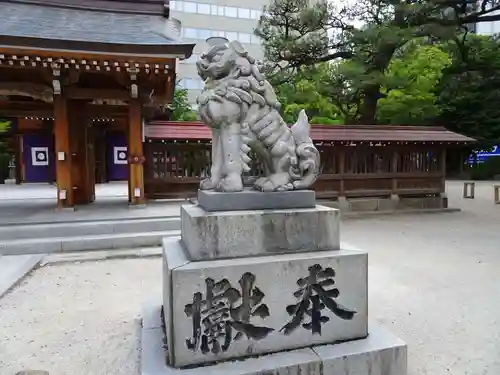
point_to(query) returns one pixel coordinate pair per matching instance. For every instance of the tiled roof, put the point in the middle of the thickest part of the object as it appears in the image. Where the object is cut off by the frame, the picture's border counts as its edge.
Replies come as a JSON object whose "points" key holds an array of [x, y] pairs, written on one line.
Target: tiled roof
{"points": [[32, 25], [152, 7], [319, 133]]}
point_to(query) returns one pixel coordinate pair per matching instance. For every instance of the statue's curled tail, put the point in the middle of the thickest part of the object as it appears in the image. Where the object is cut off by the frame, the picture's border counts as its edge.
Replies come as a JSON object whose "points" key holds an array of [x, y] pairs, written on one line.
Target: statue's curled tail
{"points": [[306, 171]]}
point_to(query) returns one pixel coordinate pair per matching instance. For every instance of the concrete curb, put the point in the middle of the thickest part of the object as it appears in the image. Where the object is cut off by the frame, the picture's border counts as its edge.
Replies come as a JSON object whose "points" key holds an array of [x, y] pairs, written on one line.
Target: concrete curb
{"points": [[94, 256], [14, 268], [418, 211]]}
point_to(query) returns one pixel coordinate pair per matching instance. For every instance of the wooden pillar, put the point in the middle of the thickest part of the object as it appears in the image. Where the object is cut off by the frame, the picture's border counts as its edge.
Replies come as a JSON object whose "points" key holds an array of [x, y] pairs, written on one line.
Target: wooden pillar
{"points": [[394, 171], [442, 168], [83, 170], [342, 171], [63, 153], [135, 154], [18, 154]]}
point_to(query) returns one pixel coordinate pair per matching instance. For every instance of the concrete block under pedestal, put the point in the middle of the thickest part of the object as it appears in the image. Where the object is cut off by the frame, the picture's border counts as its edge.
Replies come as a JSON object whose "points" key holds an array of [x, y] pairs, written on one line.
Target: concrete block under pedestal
{"points": [[381, 353], [235, 308], [250, 199], [231, 234]]}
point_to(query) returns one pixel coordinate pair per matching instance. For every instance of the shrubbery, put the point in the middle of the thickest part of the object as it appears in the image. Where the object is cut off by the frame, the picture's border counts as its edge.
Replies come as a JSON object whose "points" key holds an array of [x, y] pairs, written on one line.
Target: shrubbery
{"points": [[486, 170]]}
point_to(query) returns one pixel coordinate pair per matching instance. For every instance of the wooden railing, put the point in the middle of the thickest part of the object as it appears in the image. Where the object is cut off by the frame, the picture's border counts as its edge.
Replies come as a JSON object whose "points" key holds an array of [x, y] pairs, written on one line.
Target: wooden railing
{"points": [[174, 170]]}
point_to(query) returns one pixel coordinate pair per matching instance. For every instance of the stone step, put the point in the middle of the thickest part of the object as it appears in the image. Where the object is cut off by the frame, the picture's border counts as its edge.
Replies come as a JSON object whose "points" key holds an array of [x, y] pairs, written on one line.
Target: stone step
{"points": [[81, 243], [87, 228], [14, 268]]}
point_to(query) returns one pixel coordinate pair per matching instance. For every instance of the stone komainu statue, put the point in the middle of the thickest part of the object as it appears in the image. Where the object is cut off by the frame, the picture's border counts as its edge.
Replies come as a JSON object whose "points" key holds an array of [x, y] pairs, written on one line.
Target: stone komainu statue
{"points": [[241, 108]]}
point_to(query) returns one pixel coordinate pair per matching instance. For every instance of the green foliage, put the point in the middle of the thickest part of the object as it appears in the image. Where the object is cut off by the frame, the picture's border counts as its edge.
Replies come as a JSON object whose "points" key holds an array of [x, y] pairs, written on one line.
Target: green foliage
{"points": [[4, 126], [298, 35], [469, 93], [411, 80], [326, 121], [180, 108], [5, 154], [305, 90], [486, 170]]}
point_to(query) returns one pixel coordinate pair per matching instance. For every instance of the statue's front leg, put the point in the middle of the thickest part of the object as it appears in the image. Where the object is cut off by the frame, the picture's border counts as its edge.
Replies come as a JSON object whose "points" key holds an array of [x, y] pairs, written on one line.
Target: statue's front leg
{"points": [[232, 165], [216, 168]]}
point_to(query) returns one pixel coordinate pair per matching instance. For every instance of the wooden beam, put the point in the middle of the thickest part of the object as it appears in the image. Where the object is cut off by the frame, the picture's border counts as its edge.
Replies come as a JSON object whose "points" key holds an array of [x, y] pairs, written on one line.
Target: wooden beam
{"points": [[29, 89], [20, 109], [62, 151], [83, 93], [135, 154], [66, 55]]}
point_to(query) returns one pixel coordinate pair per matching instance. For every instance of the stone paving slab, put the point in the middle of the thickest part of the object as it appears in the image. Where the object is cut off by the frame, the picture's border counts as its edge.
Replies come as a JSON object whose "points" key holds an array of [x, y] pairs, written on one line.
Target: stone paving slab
{"points": [[97, 242], [13, 268]]}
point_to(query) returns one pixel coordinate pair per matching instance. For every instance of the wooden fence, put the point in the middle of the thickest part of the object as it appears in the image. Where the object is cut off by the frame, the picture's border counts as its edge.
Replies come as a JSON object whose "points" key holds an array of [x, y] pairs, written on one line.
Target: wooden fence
{"points": [[174, 169]]}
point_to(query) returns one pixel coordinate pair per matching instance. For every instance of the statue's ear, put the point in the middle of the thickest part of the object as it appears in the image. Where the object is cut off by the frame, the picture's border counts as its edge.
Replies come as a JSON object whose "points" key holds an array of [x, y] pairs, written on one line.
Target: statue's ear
{"points": [[238, 48]]}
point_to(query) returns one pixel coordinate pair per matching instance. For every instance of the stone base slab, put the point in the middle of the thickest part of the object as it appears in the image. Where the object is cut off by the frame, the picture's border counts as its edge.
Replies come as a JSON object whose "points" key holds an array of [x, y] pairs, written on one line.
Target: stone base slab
{"points": [[374, 204], [265, 304], [232, 234], [381, 353], [250, 199]]}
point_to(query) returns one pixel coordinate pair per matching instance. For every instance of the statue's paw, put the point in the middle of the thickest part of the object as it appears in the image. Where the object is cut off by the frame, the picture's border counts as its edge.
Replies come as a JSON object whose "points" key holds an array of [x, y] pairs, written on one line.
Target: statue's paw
{"points": [[258, 185], [267, 184], [208, 184], [230, 184], [286, 187]]}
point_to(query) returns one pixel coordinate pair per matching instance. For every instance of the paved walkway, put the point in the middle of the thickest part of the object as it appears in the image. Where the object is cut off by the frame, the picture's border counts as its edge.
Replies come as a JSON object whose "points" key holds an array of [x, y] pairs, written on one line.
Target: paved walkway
{"points": [[36, 203]]}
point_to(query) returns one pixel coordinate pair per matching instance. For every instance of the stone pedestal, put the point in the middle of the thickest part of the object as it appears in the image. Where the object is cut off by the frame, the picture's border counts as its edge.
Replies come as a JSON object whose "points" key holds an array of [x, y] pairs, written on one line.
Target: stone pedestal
{"points": [[266, 304], [246, 283], [229, 234]]}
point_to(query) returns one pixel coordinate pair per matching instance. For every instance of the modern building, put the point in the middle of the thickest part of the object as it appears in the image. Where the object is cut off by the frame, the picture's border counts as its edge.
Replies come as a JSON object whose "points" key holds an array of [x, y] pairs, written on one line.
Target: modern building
{"points": [[488, 28], [232, 19]]}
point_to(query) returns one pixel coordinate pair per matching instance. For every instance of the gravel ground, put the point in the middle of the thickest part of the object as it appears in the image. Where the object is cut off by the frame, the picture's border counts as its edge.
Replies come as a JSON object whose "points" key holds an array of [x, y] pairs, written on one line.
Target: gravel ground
{"points": [[434, 281], [77, 319]]}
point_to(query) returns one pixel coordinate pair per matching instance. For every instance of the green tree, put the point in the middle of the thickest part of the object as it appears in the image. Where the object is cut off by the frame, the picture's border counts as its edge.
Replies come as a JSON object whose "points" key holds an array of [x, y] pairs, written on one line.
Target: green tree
{"points": [[180, 108], [469, 93], [297, 34], [305, 90], [5, 154], [410, 84]]}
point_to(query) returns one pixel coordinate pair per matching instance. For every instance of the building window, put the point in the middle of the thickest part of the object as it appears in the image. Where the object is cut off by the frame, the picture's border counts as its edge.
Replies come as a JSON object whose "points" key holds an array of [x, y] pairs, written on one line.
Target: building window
{"points": [[204, 34], [189, 7], [191, 83], [255, 14], [231, 36], [216, 10], [243, 13], [190, 33], [231, 12], [204, 8], [244, 38], [254, 39]]}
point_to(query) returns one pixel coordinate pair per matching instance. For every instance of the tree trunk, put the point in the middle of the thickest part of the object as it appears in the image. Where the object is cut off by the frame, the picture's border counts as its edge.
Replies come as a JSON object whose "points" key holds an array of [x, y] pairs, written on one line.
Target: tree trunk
{"points": [[369, 106]]}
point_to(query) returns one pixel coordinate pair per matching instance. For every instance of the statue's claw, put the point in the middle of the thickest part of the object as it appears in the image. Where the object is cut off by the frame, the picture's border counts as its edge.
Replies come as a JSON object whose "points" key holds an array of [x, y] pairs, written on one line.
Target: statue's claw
{"points": [[231, 183], [208, 184], [272, 184]]}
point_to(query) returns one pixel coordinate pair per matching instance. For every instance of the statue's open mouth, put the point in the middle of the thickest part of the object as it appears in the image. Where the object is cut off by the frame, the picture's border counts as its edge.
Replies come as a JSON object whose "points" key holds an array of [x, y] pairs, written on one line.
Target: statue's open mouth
{"points": [[210, 70]]}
